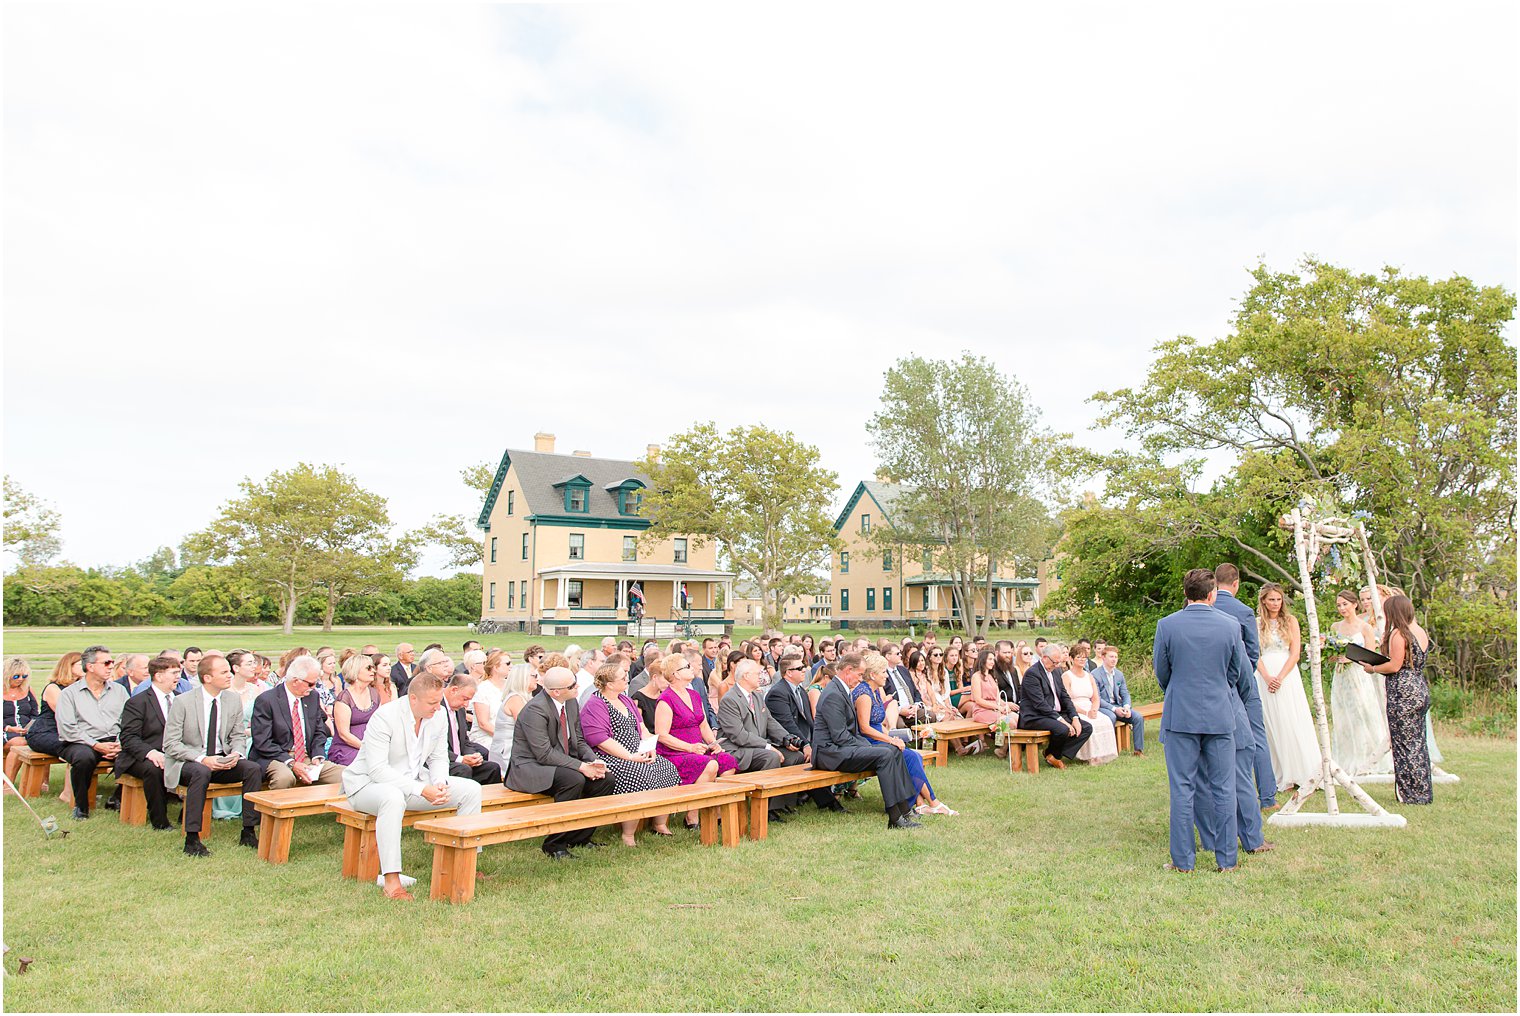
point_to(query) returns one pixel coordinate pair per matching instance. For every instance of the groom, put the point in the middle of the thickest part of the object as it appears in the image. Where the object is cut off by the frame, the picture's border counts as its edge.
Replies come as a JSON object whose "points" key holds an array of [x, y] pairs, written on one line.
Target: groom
{"points": [[1201, 666], [1227, 578]]}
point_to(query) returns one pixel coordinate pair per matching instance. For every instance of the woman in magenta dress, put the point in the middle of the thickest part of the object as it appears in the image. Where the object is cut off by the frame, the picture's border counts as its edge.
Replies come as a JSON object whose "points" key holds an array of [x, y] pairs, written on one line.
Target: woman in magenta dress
{"points": [[681, 729]]}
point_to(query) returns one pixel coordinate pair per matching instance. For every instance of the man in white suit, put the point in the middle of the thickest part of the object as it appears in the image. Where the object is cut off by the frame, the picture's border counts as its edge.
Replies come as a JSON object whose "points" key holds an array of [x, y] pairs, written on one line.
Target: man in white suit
{"points": [[403, 765]]}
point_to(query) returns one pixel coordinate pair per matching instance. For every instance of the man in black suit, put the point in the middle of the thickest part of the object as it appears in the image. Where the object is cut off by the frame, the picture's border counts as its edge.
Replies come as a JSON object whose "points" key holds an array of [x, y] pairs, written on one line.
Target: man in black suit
{"points": [[1044, 705], [142, 738], [910, 704], [787, 702], [466, 758], [405, 667], [290, 731], [550, 756], [1007, 677], [838, 744]]}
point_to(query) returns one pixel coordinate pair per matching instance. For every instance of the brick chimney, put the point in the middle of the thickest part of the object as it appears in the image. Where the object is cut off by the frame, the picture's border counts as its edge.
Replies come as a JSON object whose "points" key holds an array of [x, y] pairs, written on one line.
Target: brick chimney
{"points": [[543, 442], [581, 454], [652, 453]]}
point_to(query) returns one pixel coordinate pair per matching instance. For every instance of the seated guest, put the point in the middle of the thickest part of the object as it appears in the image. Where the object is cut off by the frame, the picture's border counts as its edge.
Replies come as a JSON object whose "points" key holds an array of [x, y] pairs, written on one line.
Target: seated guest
{"points": [[749, 733], [685, 737], [474, 664], [89, 724], [289, 730], [871, 716], [1046, 706], [1113, 697], [521, 685], [935, 694], [247, 687], [585, 675], [143, 720], [383, 687], [42, 735], [438, 663], [827, 654], [134, 672], [612, 725], [838, 744], [1103, 746], [987, 702], [693, 656], [20, 711], [404, 669], [550, 756], [204, 741], [910, 704], [466, 758], [647, 695], [354, 707], [403, 766], [788, 704], [489, 694], [637, 675]]}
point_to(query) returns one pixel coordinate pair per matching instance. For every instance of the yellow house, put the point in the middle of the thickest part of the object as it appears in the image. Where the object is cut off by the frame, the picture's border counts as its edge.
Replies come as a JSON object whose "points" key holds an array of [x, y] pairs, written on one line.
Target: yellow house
{"points": [[804, 608], [889, 587], [562, 555]]}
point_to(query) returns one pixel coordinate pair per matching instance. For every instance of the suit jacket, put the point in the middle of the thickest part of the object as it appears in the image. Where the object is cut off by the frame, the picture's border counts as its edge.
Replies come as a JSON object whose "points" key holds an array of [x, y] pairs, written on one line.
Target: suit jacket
{"points": [[1227, 603], [781, 703], [185, 732], [1107, 699], [537, 749], [385, 753], [401, 676], [1201, 665], [1036, 701], [273, 738], [142, 730], [836, 732], [468, 747], [1008, 684], [743, 731], [900, 683]]}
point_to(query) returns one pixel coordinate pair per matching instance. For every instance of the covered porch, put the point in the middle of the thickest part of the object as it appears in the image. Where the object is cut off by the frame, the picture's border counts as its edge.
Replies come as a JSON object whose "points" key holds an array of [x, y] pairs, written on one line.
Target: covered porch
{"points": [[931, 600], [586, 598]]}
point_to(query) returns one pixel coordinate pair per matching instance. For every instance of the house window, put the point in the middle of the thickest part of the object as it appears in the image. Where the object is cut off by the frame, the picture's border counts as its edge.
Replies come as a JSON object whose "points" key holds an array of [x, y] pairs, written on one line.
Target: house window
{"points": [[492, 605], [511, 501], [577, 546], [525, 546], [680, 542], [925, 591], [523, 598], [575, 499], [493, 550], [844, 599], [886, 560], [573, 595], [870, 597], [630, 548], [865, 524], [928, 559], [630, 500], [886, 597], [511, 595], [844, 562]]}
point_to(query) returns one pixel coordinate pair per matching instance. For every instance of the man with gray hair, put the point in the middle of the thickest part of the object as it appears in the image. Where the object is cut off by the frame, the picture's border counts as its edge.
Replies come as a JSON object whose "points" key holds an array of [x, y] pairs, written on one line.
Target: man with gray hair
{"points": [[290, 732], [1045, 705], [639, 674], [748, 731], [134, 674], [89, 725]]}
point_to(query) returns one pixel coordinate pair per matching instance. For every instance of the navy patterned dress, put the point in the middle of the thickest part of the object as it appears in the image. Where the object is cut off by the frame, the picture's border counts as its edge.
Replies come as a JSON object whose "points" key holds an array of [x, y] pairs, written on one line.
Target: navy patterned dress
{"points": [[1408, 705]]}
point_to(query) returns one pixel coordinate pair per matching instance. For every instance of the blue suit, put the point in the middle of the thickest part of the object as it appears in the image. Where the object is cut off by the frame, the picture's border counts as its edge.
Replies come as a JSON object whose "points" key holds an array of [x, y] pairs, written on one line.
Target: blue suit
{"points": [[1247, 813], [1202, 668], [1266, 780], [1118, 695]]}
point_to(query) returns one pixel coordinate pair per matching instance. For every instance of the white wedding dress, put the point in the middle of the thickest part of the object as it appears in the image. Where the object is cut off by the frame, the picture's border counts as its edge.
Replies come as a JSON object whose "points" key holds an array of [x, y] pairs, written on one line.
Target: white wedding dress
{"points": [[1290, 726], [1359, 719]]}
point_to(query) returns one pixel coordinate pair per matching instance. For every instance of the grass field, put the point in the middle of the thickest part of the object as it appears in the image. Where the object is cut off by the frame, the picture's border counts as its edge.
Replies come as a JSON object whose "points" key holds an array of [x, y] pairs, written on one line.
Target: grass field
{"points": [[1044, 894]]}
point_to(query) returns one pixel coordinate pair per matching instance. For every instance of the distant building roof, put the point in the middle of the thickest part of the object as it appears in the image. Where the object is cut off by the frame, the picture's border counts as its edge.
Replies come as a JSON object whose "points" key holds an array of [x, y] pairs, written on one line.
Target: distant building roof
{"points": [[884, 494], [543, 476]]}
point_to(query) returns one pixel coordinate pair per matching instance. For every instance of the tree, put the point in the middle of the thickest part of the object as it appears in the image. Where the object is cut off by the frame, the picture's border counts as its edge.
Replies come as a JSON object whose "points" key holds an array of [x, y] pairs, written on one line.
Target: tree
{"points": [[31, 526], [1377, 393], [203, 593], [761, 494], [294, 530], [967, 444], [376, 564], [456, 533]]}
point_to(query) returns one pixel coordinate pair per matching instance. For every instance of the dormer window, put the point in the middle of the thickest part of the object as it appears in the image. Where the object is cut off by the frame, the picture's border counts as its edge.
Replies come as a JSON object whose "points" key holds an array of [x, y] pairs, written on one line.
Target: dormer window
{"points": [[629, 495], [577, 494]]}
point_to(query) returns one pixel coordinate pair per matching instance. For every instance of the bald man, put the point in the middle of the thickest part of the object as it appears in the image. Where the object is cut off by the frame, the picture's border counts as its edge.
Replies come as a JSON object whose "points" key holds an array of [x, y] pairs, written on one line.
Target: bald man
{"points": [[550, 756]]}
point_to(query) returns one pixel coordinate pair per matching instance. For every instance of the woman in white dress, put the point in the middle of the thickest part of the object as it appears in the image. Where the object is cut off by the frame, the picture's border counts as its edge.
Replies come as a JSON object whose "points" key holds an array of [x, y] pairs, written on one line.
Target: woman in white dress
{"points": [[522, 683], [1290, 727], [489, 694], [1103, 746], [1359, 724]]}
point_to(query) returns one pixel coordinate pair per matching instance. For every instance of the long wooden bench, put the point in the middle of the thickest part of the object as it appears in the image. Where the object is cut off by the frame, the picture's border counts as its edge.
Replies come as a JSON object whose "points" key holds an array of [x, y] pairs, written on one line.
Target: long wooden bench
{"points": [[1152, 714], [134, 803], [947, 731], [36, 768], [279, 809], [455, 839], [361, 854], [769, 783]]}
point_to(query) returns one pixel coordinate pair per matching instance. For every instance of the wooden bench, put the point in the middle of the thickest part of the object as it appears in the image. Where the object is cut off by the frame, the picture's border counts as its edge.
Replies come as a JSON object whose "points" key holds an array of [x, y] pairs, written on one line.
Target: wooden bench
{"points": [[1151, 713], [279, 809], [952, 730], [361, 854], [455, 839], [134, 803], [768, 783], [36, 768], [1028, 745]]}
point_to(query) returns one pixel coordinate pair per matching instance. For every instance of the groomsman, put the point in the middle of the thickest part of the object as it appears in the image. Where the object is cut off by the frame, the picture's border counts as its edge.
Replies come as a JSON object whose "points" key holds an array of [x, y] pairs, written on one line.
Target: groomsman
{"points": [[1227, 581]]}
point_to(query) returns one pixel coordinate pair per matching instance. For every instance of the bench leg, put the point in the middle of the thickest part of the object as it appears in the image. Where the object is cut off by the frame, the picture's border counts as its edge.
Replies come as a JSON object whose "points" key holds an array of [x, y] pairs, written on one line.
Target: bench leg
{"points": [[206, 817], [709, 820], [351, 840], [134, 806], [274, 838], [731, 823], [941, 753], [369, 856], [34, 779], [1032, 758], [759, 818], [453, 874], [94, 785]]}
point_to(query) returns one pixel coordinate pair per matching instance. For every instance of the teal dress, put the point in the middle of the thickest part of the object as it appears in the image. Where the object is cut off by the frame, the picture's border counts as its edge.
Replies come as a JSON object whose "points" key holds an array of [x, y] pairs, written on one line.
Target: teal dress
{"points": [[232, 807]]}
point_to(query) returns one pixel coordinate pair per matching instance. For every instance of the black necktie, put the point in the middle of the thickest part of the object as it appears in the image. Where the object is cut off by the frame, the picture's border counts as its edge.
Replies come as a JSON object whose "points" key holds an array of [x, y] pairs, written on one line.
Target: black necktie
{"points": [[211, 731]]}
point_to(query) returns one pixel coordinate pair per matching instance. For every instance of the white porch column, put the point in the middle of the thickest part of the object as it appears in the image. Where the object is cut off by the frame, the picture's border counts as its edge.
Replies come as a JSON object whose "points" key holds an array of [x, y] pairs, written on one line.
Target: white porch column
{"points": [[543, 593], [710, 587], [563, 599], [622, 594], [728, 599], [675, 597]]}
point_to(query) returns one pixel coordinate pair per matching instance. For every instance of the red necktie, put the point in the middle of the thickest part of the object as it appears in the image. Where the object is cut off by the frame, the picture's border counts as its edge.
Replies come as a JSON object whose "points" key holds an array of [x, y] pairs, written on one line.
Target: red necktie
{"points": [[564, 728], [300, 732]]}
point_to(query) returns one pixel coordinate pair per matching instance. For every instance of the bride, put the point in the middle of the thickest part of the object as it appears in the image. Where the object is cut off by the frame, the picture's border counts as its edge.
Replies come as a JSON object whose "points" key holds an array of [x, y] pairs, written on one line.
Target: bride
{"points": [[1359, 734], [1290, 728]]}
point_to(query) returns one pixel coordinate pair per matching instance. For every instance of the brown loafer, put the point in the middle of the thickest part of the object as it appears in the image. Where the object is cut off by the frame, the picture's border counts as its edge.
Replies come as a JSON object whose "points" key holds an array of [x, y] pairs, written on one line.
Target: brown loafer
{"points": [[1266, 845], [399, 894], [1270, 808], [1139, 754], [1169, 866], [1054, 762]]}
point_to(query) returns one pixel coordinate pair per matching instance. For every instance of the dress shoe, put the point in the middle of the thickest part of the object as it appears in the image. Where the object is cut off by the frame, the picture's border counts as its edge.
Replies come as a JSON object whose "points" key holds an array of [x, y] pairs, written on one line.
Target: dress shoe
{"points": [[250, 837], [1266, 845], [904, 822], [398, 894], [194, 847], [112, 804], [1268, 809], [80, 814], [161, 828], [559, 855], [1169, 866], [592, 845], [1139, 754], [777, 816], [1054, 762]]}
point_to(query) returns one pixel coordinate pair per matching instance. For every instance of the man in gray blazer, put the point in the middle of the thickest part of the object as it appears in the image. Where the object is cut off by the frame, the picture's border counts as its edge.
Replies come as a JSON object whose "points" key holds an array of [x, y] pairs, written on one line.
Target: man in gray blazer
{"points": [[204, 742], [748, 731], [551, 756]]}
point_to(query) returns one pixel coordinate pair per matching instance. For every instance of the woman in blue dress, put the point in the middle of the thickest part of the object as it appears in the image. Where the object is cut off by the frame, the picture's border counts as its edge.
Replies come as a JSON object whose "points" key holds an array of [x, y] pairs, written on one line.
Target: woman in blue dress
{"points": [[871, 712]]}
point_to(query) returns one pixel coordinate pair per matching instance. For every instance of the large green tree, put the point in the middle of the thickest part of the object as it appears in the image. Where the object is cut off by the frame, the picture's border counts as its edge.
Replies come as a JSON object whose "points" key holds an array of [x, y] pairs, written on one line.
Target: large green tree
{"points": [[31, 526], [761, 494], [1377, 393], [967, 445]]}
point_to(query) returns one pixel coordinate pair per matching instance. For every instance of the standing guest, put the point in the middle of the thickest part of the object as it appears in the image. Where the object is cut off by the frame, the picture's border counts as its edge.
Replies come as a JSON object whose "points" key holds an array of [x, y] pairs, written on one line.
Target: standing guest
{"points": [[355, 707], [204, 741], [143, 721], [42, 735], [404, 668], [466, 758], [1407, 646], [20, 711], [839, 744], [550, 756], [247, 687], [612, 725], [134, 672], [872, 717], [1199, 658], [1114, 701], [289, 730], [1044, 705], [522, 685], [1290, 727], [402, 766], [683, 733], [1227, 584], [489, 695], [1103, 745], [89, 725]]}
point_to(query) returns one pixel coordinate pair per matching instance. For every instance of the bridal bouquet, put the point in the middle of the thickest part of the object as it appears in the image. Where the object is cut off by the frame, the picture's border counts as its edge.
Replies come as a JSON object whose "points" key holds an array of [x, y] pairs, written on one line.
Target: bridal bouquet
{"points": [[1334, 644]]}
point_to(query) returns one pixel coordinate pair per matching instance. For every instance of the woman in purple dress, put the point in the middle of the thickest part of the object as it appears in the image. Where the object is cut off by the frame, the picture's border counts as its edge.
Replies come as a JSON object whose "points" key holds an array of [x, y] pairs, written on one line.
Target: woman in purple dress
{"points": [[682, 731], [353, 707]]}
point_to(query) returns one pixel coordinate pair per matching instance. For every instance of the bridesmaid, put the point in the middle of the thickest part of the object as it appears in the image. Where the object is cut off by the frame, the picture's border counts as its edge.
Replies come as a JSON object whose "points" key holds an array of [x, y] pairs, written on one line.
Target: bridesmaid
{"points": [[1406, 645], [42, 735], [683, 734]]}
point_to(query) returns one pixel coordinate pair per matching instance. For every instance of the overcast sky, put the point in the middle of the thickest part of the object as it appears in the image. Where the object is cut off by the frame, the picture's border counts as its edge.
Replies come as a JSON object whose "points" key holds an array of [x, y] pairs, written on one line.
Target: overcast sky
{"points": [[402, 238]]}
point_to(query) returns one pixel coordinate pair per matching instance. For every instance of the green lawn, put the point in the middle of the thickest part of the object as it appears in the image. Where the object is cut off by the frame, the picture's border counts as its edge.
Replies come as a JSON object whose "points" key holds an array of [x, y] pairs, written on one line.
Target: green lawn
{"points": [[1045, 894]]}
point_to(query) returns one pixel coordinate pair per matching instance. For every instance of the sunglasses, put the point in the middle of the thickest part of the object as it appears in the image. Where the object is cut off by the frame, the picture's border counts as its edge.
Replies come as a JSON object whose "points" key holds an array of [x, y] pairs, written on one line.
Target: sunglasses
{"points": [[106, 663]]}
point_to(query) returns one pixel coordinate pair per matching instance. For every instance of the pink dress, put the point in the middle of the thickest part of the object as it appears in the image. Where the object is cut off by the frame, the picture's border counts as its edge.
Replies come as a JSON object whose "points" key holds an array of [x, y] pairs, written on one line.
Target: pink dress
{"points": [[686, 725], [988, 689]]}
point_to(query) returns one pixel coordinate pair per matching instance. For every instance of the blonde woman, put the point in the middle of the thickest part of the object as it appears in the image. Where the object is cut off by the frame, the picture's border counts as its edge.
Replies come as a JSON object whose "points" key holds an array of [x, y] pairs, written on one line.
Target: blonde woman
{"points": [[20, 711], [490, 692], [42, 735], [614, 729], [682, 731], [1290, 727], [871, 717], [352, 709], [520, 686]]}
